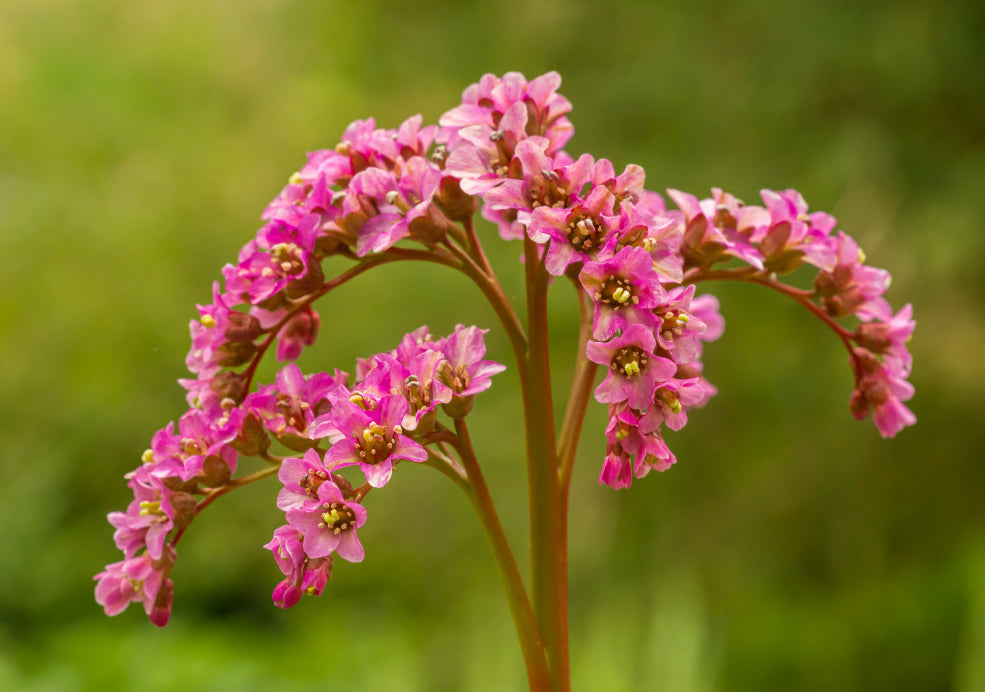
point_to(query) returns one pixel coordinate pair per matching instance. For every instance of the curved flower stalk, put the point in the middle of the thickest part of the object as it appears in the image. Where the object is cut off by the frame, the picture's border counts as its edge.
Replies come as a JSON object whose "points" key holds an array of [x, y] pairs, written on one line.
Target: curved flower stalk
{"points": [[410, 194]]}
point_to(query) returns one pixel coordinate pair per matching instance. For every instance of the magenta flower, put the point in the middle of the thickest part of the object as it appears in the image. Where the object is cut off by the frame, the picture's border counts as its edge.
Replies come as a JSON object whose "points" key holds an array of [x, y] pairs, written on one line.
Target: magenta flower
{"points": [[466, 372], [372, 439], [303, 575], [330, 526], [648, 228], [852, 287], [291, 404], [882, 392], [301, 479], [889, 339], [137, 580], [488, 101], [679, 329], [574, 234], [221, 337], [704, 242], [400, 197], [793, 234], [655, 455], [671, 401], [633, 370], [624, 288]]}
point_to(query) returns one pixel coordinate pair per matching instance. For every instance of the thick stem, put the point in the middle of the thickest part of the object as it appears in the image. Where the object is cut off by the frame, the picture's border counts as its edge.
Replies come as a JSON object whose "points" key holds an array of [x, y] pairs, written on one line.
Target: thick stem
{"points": [[548, 532], [534, 655]]}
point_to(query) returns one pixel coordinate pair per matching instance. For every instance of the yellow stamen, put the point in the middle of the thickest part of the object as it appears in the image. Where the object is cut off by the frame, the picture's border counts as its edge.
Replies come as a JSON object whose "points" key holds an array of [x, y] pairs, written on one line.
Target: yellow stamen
{"points": [[621, 295]]}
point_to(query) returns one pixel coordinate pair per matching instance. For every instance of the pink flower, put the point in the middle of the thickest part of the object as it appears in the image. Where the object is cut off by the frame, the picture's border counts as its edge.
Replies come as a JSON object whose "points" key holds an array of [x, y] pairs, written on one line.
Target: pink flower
{"points": [[221, 337], [303, 575], [671, 401], [301, 479], [574, 234], [299, 331], [624, 288], [137, 580], [372, 439], [851, 287], [486, 103], [466, 372], [330, 526], [704, 242], [889, 339], [291, 404], [633, 370], [679, 330], [400, 197], [881, 391]]}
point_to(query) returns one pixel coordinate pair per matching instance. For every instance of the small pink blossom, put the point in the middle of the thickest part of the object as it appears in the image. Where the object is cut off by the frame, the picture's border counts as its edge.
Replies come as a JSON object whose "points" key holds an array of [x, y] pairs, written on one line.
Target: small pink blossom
{"points": [[633, 371], [330, 526], [137, 580], [372, 439]]}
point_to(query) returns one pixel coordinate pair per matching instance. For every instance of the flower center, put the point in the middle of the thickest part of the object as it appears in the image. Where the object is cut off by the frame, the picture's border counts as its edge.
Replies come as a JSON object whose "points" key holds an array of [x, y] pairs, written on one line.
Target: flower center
{"points": [[616, 292], [418, 393], [668, 399], [376, 443], [152, 508], [457, 377], [673, 323], [547, 190], [337, 517], [310, 481], [584, 232], [288, 258], [629, 361], [293, 410], [193, 447]]}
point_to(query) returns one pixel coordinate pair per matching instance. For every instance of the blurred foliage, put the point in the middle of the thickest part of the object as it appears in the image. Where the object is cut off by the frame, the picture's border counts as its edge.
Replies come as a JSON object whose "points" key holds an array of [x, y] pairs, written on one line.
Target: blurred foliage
{"points": [[791, 548]]}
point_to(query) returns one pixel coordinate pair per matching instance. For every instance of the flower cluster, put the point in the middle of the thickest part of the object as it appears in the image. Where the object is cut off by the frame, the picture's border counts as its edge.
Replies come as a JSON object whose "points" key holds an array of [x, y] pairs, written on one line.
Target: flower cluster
{"points": [[379, 420], [410, 193], [638, 261]]}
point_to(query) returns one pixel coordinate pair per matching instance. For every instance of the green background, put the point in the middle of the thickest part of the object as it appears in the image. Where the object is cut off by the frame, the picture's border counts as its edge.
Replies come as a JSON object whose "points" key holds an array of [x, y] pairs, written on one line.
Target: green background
{"points": [[790, 548]]}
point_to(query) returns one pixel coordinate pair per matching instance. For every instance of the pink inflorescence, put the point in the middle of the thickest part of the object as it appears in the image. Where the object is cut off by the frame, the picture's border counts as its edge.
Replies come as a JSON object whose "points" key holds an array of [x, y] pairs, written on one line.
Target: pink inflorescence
{"points": [[407, 193]]}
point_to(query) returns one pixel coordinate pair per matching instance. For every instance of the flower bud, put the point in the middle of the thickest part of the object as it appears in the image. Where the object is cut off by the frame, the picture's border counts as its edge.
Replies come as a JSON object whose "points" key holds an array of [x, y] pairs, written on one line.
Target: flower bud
{"points": [[456, 205]]}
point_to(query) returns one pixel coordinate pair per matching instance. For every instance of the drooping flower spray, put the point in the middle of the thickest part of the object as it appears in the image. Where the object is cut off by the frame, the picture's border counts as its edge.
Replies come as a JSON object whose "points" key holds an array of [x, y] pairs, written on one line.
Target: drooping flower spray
{"points": [[411, 194]]}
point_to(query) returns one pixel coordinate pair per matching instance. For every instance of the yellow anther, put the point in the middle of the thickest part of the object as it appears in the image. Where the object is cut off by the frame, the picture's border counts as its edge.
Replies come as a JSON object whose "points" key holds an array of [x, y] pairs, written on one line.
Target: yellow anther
{"points": [[331, 517], [622, 434], [208, 321], [683, 319], [621, 295], [675, 405], [148, 507], [373, 432], [295, 179], [861, 256], [147, 457], [631, 368]]}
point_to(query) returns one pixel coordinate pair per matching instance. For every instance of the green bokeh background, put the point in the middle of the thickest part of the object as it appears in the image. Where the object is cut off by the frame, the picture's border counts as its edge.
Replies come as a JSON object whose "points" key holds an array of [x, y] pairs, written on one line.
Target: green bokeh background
{"points": [[791, 547]]}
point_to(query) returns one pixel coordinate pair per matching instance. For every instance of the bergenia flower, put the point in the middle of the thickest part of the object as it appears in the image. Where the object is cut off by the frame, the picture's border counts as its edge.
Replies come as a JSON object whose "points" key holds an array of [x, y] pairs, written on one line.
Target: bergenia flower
{"points": [[137, 580], [624, 288], [330, 526], [372, 439], [633, 371]]}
